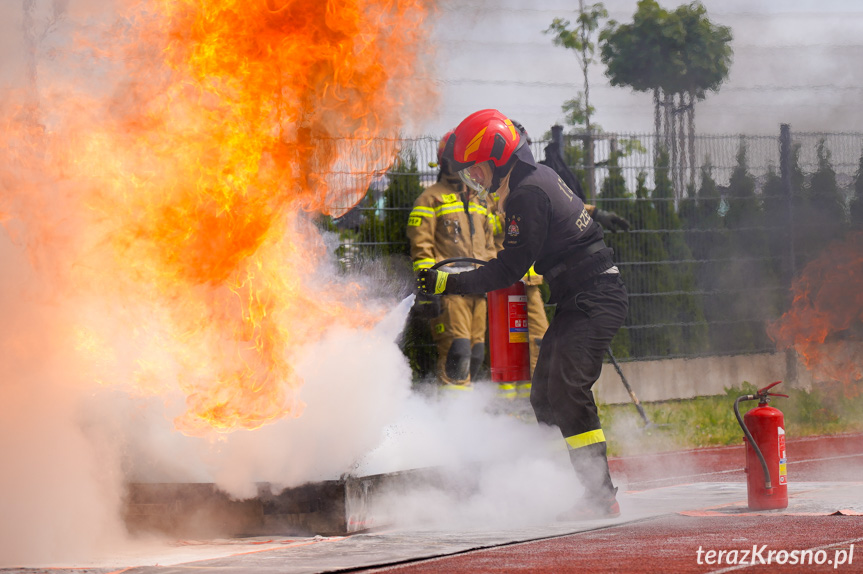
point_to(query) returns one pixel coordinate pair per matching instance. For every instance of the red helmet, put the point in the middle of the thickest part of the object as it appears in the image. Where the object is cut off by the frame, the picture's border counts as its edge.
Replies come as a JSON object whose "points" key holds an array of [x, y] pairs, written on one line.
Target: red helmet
{"points": [[441, 145], [486, 135]]}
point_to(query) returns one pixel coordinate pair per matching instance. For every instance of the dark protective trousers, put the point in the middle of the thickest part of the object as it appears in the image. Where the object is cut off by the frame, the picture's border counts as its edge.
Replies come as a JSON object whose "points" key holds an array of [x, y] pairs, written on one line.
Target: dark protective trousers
{"points": [[570, 361], [459, 333]]}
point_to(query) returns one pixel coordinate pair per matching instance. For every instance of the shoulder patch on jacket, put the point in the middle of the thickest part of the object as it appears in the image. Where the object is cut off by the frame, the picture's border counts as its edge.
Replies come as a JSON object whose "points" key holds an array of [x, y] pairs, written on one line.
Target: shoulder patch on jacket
{"points": [[449, 197], [514, 232], [512, 229]]}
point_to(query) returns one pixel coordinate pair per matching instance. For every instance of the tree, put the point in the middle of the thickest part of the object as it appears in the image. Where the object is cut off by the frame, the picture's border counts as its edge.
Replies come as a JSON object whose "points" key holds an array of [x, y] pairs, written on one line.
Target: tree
{"points": [[679, 56], [778, 227], [637, 253], [824, 220], [684, 314], [664, 320], [705, 59], [709, 241], [579, 38], [747, 266], [639, 54], [703, 223], [615, 197]]}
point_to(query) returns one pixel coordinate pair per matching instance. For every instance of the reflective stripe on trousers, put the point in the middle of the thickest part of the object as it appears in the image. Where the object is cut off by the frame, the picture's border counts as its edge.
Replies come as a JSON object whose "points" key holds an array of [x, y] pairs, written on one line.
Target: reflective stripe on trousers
{"points": [[585, 439]]}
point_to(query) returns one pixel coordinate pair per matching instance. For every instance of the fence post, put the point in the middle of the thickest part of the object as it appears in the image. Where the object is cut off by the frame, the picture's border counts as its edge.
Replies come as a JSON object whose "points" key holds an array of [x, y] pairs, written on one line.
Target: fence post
{"points": [[591, 168], [785, 173], [557, 137], [791, 268], [587, 141]]}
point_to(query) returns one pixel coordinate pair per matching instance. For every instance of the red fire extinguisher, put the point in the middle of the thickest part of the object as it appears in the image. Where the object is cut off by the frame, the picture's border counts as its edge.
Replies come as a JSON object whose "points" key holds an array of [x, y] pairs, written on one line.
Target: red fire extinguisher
{"points": [[766, 462], [508, 335], [509, 351]]}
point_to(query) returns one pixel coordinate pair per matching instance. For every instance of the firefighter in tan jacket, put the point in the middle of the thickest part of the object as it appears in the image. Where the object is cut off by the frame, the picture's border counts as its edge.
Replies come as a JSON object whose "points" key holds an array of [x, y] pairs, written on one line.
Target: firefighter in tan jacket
{"points": [[448, 221]]}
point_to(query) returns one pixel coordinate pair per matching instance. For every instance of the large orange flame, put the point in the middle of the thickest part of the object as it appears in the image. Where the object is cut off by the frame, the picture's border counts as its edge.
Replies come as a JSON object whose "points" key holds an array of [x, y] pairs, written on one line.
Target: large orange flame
{"points": [[825, 322], [183, 187]]}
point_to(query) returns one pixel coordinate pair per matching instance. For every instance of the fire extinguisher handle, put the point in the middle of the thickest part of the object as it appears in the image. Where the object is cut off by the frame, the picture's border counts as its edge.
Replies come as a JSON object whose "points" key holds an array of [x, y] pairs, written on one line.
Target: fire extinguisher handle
{"points": [[768, 387], [778, 395]]}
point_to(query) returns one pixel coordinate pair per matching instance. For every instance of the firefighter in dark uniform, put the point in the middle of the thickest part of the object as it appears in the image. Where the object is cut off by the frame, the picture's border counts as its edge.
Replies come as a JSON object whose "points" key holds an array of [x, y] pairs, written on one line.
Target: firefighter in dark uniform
{"points": [[546, 223], [536, 317]]}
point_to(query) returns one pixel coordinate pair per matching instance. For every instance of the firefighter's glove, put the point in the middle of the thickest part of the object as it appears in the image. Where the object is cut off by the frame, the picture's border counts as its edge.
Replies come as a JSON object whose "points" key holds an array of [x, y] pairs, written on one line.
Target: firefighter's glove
{"points": [[432, 281], [610, 220], [427, 306]]}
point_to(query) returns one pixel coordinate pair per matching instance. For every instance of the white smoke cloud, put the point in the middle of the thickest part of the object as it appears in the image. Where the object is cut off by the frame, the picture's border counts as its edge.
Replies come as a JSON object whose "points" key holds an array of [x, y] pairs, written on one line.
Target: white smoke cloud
{"points": [[354, 384], [489, 463], [61, 486]]}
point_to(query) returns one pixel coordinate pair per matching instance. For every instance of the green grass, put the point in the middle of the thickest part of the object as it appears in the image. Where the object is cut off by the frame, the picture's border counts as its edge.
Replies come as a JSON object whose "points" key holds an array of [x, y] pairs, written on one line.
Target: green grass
{"points": [[710, 421]]}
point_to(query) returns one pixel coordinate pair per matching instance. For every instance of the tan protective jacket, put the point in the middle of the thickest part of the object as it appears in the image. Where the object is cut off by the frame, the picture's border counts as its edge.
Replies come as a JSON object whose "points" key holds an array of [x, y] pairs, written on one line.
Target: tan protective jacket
{"points": [[441, 226]]}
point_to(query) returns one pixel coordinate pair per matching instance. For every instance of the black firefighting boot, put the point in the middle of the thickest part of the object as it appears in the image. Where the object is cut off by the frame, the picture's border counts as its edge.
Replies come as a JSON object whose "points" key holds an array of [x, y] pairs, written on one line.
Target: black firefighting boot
{"points": [[600, 496], [477, 355]]}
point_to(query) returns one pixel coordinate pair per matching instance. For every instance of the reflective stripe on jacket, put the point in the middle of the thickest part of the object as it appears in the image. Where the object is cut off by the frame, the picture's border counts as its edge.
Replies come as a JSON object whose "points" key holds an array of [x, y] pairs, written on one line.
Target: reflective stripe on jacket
{"points": [[441, 226]]}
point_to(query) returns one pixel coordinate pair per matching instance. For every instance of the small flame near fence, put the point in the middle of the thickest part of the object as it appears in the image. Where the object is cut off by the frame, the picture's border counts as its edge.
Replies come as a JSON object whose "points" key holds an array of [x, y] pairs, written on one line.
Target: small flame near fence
{"points": [[825, 322]]}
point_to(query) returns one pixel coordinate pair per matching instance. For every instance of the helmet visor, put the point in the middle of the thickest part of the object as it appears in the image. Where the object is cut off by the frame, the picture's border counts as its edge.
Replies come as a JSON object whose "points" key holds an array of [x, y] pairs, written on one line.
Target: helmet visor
{"points": [[477, 177]]}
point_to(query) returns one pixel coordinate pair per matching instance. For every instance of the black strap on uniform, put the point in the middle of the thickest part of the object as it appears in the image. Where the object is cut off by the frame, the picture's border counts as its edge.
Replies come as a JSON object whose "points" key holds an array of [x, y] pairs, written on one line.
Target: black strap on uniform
{"points": [[586, 260]]}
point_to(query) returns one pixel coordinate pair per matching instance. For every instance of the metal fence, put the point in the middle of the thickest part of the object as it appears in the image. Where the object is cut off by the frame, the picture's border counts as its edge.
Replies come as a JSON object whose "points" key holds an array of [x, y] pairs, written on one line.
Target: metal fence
{"points": [[720, 229]]}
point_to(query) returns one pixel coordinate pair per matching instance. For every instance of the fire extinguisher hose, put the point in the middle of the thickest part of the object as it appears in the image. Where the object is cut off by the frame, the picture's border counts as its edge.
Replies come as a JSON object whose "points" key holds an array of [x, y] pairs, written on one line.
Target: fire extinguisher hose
{"points": [[458, 260], [767, 483]]}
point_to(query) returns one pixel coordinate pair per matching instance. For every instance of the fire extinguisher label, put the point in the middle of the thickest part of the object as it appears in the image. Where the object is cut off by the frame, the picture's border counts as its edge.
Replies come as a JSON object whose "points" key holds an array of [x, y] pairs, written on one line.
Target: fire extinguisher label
{"points": [[783, 462], [517, 305]]}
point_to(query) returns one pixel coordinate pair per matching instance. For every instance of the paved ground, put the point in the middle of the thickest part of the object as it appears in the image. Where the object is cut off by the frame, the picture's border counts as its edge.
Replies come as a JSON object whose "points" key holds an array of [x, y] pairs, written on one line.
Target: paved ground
{"points": [[668, 544], [683, 512], [821, 530]]}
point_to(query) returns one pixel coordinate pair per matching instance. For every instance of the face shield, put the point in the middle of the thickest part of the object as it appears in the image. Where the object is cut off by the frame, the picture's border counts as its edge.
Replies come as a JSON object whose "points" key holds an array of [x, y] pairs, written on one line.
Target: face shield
{"points": [[477, 177]]}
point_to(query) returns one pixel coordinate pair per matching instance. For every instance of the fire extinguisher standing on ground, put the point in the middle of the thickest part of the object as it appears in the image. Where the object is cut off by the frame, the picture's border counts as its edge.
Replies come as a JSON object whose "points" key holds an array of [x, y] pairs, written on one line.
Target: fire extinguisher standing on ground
{"points": [[508, 335], [766, 462]]}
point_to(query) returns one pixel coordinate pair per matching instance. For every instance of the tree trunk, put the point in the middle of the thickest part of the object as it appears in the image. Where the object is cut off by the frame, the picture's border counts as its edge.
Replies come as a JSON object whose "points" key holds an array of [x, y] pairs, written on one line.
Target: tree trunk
{"points": [[657, 122], [666, 126], [591, 170], [692, 140], [672, 142], [681, 180], [584, 67]]}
